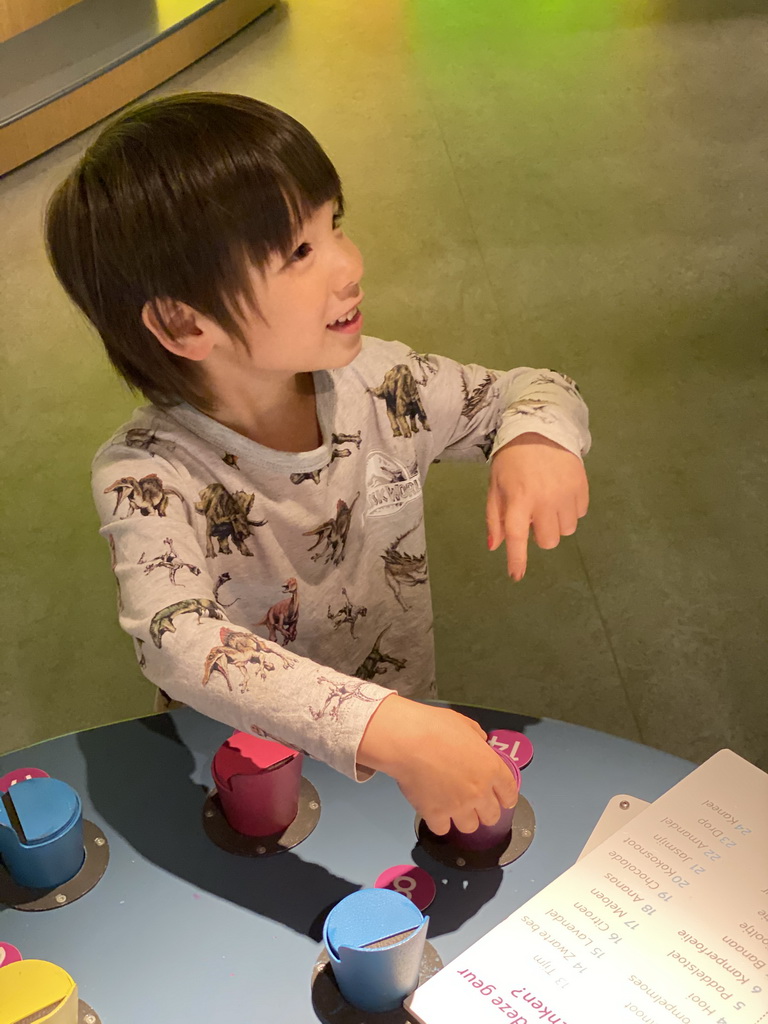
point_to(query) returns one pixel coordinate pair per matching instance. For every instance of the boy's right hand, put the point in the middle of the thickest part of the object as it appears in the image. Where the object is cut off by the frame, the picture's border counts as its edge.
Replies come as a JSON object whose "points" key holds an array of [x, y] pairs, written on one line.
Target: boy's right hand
{"points": [[441, 762]]}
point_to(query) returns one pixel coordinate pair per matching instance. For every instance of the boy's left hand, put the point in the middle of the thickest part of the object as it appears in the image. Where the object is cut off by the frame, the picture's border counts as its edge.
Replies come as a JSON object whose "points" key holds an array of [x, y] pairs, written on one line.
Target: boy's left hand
{"points": [[535, 483]]}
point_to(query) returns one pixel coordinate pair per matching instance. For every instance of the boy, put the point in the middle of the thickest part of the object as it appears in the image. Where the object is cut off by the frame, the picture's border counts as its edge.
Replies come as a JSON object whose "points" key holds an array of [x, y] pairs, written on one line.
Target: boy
{"points": [[264, 513]]}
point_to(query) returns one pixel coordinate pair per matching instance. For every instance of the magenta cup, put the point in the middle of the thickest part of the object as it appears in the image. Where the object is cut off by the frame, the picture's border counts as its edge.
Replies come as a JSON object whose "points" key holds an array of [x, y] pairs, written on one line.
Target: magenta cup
{"points": [[485, 837], [258, 783]]}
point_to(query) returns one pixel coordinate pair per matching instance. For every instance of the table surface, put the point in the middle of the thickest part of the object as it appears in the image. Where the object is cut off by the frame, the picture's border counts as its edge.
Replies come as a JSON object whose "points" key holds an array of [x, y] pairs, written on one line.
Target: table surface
{"points": [[180, 931]]}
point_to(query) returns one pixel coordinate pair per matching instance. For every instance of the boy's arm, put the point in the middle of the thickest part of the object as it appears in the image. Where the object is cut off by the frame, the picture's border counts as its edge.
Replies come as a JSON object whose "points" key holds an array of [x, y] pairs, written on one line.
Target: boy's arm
{"points": [[473, 412], [533, 426], [187, 645], [185, 642]]}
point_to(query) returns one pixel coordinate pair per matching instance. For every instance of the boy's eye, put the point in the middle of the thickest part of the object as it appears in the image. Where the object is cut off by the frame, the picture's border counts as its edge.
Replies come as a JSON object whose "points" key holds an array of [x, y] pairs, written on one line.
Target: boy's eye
{"points": [[305, 248], [302, 252]]}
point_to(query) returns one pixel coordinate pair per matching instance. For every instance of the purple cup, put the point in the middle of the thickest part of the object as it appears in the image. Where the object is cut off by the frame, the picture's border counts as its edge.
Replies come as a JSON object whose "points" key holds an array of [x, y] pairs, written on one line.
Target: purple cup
{"points": [[485, 837]]}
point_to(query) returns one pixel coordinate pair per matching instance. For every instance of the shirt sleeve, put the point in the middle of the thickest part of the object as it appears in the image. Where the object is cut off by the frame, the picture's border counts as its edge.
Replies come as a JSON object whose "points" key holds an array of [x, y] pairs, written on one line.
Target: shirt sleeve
{"points": [[185, 642], [472, 411]]}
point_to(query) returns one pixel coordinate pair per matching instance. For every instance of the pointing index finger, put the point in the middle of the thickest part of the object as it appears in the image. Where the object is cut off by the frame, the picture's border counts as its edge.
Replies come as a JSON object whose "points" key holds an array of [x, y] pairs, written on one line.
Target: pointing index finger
{"points": [[516, 529]]}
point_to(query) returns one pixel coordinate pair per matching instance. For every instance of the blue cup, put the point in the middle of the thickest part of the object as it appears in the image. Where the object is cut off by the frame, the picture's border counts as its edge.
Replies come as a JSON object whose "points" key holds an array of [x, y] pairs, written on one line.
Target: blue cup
{"points": [[375, 940], [41, 834]]}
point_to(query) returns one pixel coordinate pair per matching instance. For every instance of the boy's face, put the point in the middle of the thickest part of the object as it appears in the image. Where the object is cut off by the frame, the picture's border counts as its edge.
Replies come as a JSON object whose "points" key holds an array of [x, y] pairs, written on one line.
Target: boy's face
{"points": [[301, 297]]}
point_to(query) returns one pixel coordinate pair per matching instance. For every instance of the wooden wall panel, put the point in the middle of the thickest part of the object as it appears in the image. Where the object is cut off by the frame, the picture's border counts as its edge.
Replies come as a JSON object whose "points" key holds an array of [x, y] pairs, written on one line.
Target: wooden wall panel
{"points": [[32, 135]]}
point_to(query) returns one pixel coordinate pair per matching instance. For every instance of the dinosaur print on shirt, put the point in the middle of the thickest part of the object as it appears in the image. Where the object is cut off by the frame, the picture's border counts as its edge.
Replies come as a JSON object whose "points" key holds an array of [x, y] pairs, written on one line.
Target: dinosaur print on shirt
{"points": [[339, 693], [170, 561], [426, 364], [162, 621], [400, 392], [226, 518], [479, 397], [144, 439], [283, 616], [223, 578], [334, 532], [348, 614], [245, 652], [403, 570], [336, 453], [147, 495], [377, 662]]}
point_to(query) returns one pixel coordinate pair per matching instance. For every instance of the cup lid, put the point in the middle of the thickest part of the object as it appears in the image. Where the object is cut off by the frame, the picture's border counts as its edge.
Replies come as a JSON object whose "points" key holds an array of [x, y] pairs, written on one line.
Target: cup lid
{"points": [[45, 808], [243, 754], [369, 916]]}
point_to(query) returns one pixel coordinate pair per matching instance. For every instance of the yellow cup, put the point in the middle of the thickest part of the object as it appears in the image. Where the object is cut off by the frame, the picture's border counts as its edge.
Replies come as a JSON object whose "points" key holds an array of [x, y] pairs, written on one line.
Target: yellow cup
{"points": [[37, 990]]}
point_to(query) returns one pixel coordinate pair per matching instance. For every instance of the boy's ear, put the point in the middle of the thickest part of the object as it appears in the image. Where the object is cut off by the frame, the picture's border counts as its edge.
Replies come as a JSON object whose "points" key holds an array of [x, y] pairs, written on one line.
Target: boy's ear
{"points": [[183, 332]]}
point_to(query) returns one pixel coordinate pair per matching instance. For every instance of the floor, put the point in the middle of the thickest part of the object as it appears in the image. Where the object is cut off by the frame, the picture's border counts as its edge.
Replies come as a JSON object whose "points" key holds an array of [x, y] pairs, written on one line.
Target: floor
{"points": [[578, 184]]}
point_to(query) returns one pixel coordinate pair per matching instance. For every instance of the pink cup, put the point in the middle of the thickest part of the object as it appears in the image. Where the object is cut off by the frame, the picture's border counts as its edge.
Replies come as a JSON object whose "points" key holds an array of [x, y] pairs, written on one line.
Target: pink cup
{"points": [[258, 783], [487, 836]]}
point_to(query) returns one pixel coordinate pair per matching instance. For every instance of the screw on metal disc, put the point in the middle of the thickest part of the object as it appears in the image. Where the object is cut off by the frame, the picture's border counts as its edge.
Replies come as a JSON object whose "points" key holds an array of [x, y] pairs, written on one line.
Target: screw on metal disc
{"points": [[85, 1015]]}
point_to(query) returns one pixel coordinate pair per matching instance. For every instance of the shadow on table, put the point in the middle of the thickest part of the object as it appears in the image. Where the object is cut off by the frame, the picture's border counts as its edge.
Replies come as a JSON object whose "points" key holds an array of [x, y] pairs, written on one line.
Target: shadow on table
{"points": [[460, 894], [139, 780]]}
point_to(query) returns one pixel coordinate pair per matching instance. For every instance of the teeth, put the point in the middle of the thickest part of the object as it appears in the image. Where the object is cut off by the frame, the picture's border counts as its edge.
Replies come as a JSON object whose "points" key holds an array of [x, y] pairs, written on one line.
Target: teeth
{"points": [[349, 316]]}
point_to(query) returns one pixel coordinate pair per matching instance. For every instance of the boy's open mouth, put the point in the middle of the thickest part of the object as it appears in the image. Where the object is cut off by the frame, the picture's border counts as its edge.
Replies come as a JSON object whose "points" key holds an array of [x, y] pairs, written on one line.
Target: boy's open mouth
{"points": [[349, 323]]}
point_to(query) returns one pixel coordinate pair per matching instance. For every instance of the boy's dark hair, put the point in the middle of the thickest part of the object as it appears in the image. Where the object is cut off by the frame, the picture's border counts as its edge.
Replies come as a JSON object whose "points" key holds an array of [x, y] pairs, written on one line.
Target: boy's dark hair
{"points": [[176, 199]]}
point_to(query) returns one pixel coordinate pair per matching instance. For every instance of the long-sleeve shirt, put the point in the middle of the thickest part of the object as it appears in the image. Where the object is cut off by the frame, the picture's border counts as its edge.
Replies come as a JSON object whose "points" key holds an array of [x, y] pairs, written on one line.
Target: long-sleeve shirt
{"points": [[287, 593]]}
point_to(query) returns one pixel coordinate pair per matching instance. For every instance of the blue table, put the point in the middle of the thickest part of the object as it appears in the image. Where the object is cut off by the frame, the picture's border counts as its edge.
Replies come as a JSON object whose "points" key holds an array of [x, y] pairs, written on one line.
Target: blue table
{"points": [[180, 931]]}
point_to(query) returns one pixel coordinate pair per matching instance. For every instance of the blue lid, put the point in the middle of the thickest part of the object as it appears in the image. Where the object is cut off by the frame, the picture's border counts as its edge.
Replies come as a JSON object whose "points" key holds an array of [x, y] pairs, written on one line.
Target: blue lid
{"points": [[370, 915], [45, 807]]}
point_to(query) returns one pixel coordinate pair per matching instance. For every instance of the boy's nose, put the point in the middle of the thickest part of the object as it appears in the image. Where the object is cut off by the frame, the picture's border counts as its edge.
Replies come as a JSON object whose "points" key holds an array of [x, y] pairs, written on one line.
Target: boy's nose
{"points": [[351, 272]]}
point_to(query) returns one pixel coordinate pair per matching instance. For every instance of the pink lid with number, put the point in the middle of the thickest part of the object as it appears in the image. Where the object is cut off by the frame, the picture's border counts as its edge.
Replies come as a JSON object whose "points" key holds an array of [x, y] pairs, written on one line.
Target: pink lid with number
{"points": [[515, 745], [20, 775], [413, 882]]}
